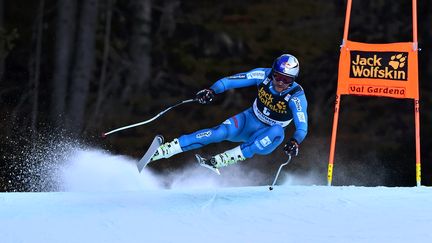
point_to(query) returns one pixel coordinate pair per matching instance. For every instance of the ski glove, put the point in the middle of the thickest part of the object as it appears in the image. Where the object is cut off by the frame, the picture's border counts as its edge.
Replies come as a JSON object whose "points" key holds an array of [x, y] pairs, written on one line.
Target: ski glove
{"points": [[205, 96], [291, 147]]}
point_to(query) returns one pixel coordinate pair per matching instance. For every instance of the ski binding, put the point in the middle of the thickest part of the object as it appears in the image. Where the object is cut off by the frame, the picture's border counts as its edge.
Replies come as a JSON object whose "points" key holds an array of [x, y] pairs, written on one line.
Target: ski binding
{"points": [[206, 163]]}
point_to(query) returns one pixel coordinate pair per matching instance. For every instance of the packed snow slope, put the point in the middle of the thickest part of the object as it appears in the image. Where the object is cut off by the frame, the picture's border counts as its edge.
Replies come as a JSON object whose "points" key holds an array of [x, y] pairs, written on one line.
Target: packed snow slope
{"points": [[113, 203], [247, 214]]}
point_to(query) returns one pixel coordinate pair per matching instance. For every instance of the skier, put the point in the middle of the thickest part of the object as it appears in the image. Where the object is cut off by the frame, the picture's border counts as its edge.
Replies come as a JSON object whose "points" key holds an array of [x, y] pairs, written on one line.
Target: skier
{"points": [[260, 128]]}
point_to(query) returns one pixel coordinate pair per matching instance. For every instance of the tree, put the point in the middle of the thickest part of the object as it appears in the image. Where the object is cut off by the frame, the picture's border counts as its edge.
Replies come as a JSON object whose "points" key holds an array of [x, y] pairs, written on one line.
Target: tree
{"points": [[35, 65], [65, 33], [1, 29], [103, 87], [82, 72], [139, 46]]}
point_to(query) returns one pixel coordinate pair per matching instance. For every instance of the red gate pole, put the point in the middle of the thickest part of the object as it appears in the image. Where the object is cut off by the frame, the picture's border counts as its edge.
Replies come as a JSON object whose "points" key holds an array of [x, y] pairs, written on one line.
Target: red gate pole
{"points": [[333, 141], [337, 103], [417, 100]]}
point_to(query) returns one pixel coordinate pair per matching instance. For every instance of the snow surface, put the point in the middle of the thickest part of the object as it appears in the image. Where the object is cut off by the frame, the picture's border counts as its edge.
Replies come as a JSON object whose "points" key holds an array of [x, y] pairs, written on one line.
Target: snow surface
{"points": [[105, 199]]}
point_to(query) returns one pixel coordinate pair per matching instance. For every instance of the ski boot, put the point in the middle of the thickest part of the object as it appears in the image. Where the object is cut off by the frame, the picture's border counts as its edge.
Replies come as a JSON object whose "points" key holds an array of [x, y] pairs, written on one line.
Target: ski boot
{"points": [[221, 160], [228, 157], [167, 150]]}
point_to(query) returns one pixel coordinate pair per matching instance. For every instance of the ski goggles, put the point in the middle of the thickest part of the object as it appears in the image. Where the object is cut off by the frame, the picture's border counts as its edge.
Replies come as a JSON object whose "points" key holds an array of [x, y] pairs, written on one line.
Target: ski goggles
{"points": [[282, 78]]}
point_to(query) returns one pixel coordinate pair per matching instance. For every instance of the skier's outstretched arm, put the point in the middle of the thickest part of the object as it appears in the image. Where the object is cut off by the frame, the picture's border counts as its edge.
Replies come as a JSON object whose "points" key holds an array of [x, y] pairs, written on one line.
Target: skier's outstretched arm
{"points": [[240, 80]]}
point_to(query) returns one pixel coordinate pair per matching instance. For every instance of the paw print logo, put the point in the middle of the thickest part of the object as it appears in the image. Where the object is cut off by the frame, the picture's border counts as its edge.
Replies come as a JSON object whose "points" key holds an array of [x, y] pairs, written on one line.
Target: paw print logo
{"points": [[397, 61], [281, 105]]}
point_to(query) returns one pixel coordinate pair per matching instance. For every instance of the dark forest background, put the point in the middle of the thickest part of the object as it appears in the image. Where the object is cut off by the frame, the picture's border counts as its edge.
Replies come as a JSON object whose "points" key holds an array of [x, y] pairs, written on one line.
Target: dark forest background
{"points": [[70, 70]]}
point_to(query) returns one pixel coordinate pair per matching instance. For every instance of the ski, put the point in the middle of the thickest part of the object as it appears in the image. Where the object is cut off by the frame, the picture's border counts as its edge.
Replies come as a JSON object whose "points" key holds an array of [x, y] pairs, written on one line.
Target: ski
{"points": [[145, 160], [205, 163]]}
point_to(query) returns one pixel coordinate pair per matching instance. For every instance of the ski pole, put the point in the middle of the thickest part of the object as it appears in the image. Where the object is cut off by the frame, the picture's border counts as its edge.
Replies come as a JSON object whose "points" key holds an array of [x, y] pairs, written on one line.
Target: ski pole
{"points": [[279, 170], [149, 120]]}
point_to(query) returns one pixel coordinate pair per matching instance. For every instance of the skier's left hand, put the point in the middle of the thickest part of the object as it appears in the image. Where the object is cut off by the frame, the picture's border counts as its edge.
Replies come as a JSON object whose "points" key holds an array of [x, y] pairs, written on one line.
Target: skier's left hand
{"points": [[205, 96], [291, 147]]}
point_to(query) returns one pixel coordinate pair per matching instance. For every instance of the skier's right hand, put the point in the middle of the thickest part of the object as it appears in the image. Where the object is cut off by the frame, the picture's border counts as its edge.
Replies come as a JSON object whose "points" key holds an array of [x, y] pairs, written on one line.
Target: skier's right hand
{"points": [[291, 148], [205, 96]]}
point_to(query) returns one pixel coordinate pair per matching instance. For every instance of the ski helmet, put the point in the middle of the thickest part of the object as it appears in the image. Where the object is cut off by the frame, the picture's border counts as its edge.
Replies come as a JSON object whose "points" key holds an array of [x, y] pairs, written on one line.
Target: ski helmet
{"points": [[287, 65]]}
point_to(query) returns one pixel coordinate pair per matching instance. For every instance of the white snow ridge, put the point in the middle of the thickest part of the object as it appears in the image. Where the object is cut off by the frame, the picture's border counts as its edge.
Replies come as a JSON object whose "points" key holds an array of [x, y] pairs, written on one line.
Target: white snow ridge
{"points": [[105, 199]]}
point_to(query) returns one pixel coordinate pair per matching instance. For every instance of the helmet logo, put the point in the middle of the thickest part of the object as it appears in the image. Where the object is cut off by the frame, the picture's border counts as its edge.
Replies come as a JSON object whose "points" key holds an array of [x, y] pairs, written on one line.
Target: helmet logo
{"points": [[288, 65]]}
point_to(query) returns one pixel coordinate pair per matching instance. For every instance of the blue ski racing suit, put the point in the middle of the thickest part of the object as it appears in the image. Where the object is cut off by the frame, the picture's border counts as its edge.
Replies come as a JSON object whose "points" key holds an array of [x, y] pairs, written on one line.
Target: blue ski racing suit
{"points": [[260, 128]]}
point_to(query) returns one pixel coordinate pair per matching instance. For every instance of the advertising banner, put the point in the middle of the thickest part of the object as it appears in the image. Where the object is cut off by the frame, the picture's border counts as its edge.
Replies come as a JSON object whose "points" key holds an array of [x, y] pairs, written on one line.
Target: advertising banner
{"points": [[386, 70]]}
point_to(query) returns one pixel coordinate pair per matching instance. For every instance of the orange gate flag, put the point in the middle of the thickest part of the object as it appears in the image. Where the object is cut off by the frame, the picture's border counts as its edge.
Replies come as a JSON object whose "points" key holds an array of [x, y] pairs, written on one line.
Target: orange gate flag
{"points": [[386, 70]]}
